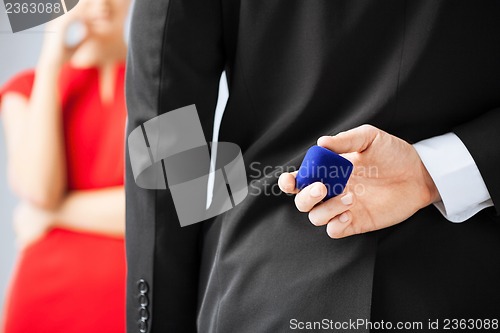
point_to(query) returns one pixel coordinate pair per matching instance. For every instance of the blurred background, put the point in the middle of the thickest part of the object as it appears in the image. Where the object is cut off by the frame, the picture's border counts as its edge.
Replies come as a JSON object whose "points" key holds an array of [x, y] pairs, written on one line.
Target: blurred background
{"points": [[18, 51]]}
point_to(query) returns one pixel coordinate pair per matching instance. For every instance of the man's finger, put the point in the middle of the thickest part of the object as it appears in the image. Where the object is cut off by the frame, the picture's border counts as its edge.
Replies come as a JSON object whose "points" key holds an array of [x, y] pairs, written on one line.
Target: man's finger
{"points": [[309, 196], [323, 213], [340, 226], [286, 182], [355, 140]]}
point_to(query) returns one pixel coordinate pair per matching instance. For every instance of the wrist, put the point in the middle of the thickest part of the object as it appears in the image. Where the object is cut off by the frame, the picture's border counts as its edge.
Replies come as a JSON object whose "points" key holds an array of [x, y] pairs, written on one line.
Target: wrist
{"points": [[47, 75], [432, 193], [49, 61], [52, 218]]}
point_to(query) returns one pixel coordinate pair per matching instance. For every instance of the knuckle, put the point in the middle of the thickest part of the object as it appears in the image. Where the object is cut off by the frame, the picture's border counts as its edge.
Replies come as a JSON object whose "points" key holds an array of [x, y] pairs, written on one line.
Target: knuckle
{"points": [[358, 230], [331, 206], [300, 204], [334, 207], [314, 218], [335, 234], [367, 127], [361, 229], [369, 130], [302, 209]]}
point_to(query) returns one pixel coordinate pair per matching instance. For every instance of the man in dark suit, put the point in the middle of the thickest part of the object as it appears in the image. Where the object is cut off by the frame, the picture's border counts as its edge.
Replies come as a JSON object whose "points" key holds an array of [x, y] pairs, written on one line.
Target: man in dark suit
{"points": [[424, 74]]}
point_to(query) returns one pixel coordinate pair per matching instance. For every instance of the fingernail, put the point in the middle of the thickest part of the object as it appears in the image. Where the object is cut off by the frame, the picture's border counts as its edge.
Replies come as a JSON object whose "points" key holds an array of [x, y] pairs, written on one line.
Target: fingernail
{"points": [[316, 191], [343, 218], [347, 199]]}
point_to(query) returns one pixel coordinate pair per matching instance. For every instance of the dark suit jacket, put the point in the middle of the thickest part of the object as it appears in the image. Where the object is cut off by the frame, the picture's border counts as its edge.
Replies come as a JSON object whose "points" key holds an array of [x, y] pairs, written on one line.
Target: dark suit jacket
{"points": [[298, 70]]}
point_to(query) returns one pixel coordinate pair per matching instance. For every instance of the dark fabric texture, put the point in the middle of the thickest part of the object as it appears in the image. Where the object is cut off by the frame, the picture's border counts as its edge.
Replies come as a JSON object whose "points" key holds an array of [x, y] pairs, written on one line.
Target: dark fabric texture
{"points": [[298, 70], [476, 134]]}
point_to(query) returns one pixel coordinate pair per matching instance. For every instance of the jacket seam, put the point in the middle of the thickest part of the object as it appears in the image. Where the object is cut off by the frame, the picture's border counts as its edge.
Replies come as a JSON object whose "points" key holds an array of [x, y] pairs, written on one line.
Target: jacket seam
{"points": [[160, 102]]}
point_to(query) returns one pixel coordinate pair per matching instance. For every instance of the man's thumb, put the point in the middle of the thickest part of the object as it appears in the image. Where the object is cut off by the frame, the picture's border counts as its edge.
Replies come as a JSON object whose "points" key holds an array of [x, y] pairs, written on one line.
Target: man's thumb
{"points": [[355, 140]]}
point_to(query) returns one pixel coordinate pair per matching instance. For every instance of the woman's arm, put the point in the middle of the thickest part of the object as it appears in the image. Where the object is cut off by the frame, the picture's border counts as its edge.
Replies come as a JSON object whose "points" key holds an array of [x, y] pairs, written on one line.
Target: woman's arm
{"points": [[101, 211], [97, 211], [34, 128], [34, 138]]}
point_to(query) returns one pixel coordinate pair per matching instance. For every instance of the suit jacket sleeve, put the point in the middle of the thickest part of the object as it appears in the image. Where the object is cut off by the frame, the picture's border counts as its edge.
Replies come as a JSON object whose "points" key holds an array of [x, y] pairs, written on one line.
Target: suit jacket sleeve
{"points": [[175, 59], [481, 136]]}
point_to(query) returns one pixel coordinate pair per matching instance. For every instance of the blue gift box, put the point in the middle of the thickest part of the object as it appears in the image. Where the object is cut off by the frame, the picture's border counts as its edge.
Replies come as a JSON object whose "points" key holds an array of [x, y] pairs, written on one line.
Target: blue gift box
{"points": [[323, 165]]}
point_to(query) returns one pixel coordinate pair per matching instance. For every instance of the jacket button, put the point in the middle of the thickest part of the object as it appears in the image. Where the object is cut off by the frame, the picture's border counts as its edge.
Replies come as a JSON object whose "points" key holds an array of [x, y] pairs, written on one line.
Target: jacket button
{"points": [[142, 285], [143, 301], [143, 313], [143, 326]]}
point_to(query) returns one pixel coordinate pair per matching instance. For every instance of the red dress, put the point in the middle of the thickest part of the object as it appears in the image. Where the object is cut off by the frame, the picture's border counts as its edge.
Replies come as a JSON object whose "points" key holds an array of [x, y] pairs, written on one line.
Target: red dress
{"points": [[74, 282]]}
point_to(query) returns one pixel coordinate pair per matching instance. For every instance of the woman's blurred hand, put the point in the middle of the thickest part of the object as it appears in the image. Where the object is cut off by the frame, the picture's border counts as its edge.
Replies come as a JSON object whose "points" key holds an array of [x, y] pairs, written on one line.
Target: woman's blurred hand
{"points": [[31, 223], [55, 50]]}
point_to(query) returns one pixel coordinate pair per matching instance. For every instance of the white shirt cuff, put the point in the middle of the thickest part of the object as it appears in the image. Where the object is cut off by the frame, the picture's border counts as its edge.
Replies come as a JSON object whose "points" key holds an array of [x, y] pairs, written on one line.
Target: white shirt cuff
{"points": [[457, 178]]}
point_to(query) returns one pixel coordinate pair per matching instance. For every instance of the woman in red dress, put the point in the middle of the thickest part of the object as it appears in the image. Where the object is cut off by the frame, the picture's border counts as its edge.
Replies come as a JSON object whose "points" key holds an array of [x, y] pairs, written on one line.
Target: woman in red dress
{"points": [[64, 123]]}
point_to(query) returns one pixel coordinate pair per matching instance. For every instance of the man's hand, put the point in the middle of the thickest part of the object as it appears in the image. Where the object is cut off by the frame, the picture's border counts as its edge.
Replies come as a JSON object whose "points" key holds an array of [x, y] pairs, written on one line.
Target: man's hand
{"points": [[31, 223], [389, 184]]}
